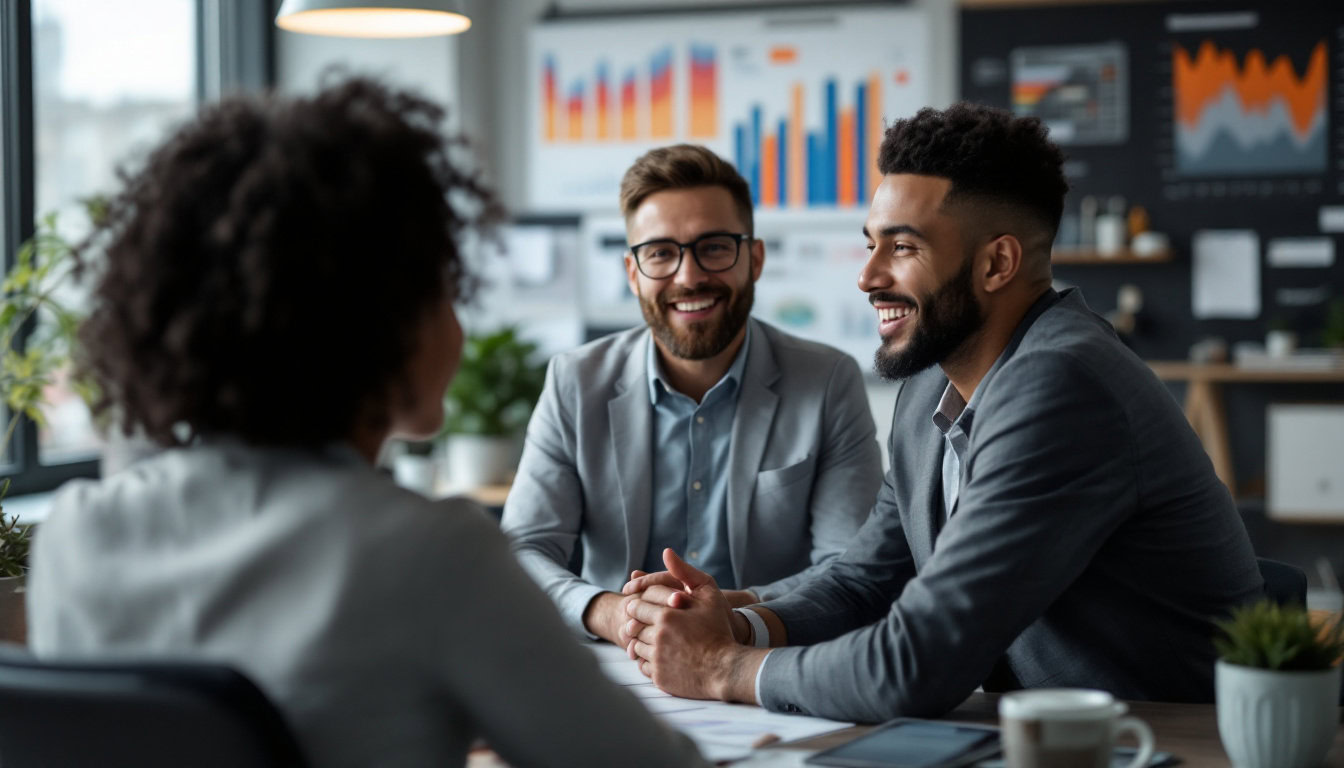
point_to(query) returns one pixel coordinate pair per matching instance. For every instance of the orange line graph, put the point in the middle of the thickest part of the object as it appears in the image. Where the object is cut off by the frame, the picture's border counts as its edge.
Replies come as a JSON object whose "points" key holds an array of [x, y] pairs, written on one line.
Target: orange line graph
{"points": [[1203, 79]]}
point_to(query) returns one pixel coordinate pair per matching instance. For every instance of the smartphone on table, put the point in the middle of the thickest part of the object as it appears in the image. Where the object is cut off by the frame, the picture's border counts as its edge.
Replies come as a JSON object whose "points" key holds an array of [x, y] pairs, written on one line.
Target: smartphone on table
{"points": [[910, 743]]}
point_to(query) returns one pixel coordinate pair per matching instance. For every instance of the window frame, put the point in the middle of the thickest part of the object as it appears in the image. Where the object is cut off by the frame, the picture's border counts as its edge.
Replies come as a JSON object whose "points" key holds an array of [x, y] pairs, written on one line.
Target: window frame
{"points": [[235, 51]]}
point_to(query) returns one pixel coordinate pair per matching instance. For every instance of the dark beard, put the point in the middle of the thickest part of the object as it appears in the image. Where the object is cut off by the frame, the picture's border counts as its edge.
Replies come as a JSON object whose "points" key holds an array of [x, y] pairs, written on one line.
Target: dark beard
{"points": [[947, 318], [705, 339]]}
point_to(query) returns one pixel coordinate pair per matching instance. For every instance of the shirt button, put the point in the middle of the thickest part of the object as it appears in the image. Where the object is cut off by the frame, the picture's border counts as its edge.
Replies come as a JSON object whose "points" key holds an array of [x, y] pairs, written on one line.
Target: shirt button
{"points": [[696, 485], [694, 554], [699, 419]]}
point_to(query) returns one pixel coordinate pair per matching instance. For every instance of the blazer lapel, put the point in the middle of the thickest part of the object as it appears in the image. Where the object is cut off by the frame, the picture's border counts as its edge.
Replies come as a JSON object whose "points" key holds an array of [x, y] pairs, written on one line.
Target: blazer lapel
{"points": [[924, 454], [631, 417], [756, 404]]}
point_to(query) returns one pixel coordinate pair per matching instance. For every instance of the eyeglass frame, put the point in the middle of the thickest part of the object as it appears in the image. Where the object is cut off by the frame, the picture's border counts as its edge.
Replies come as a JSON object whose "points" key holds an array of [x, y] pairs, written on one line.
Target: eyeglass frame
{"points": [[681, 253]]}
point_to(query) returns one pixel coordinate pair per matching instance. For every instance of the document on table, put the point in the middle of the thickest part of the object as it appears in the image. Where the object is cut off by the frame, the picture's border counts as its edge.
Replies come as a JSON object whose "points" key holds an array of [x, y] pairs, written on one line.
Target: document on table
{"points": [[721, 731]]}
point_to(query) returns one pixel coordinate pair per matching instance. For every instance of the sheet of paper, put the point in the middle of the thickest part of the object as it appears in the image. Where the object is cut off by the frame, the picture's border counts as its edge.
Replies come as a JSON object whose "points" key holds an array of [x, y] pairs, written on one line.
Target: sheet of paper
{"points": [[1225, 278], [721, 731], [1300, 252], [531, 252]]}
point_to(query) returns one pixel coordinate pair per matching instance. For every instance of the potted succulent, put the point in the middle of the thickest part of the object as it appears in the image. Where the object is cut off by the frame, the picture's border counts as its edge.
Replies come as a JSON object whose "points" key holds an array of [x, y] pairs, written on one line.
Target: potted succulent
{"points": [[14, 540], [1277, 685], [487, 407]]}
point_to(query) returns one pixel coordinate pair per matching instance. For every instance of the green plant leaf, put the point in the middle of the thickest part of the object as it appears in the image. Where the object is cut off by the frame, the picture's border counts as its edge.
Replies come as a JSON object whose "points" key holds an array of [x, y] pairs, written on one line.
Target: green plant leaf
{"points": [[497, 385], [1269, 636]]}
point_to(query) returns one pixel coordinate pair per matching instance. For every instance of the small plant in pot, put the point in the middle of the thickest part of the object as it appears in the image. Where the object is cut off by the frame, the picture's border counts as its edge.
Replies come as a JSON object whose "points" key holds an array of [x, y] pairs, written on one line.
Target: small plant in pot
{"points": [[14, 540], [1278, 686], [486, 410]]}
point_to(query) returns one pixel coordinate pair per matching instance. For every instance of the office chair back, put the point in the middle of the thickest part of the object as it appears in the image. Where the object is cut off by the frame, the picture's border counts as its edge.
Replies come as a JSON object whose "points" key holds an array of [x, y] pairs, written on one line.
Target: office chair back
{"points": [[142, 714], [1284, 584]]}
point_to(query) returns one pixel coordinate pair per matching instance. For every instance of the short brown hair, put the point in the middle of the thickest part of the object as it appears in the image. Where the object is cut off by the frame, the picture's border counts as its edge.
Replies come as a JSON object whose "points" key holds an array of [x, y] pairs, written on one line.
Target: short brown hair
{"points": [[682, 166]]}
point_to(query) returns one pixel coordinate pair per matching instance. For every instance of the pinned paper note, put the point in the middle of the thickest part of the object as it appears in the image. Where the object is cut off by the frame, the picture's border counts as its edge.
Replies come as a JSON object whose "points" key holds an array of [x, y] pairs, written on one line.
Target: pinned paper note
{"points": [[1225, 280], [1301, 252]]}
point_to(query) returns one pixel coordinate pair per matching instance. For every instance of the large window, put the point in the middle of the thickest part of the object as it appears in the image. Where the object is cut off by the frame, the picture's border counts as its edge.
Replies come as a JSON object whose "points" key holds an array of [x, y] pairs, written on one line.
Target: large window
{"points": [[107, 85], [89, 86]]}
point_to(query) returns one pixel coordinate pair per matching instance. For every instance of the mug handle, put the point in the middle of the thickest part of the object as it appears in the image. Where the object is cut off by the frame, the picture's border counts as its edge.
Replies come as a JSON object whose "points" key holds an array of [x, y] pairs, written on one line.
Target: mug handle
{"points": [[1145, 736]]}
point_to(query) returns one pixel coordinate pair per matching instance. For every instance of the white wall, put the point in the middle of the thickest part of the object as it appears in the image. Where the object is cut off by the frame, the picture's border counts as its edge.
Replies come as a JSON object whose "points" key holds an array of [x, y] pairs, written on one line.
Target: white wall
{"points": [[506, 25], [481, 76], [427, 65]]}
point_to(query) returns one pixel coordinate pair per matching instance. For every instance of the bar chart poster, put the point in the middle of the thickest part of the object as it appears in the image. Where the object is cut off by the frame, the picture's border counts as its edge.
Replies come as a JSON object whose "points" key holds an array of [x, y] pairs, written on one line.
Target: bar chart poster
{"points": [[796, 99], [1249, 112]]}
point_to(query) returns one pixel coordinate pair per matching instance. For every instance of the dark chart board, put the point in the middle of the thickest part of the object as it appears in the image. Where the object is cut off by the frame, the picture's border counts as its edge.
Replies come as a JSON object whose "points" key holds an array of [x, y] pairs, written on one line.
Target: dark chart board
{"points": [[1210, 115]]}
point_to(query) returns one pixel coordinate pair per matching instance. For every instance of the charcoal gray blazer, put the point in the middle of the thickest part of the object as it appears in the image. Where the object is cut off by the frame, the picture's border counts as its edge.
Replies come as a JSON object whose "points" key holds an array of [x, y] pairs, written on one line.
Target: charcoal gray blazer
{"points": [[1090, 545]]}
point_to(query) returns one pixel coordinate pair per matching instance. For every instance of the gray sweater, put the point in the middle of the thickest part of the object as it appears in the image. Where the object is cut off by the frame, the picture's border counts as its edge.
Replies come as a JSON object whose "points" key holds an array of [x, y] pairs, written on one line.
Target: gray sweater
{"points": [[391, 630]]}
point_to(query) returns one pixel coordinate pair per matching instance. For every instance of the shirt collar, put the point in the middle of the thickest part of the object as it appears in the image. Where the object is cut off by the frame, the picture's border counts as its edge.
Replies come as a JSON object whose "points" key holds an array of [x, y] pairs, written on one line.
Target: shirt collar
{"points": [[658, 379], [950, 408]]}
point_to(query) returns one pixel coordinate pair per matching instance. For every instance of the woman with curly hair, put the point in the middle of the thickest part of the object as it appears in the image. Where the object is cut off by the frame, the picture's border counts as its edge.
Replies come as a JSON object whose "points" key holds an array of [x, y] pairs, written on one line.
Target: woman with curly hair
{"points": [[276, 301]]}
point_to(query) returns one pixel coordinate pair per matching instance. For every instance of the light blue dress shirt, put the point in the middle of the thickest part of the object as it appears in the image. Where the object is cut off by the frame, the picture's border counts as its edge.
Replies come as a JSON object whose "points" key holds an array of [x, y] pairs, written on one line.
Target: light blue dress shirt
{"points": [[690, 470]]}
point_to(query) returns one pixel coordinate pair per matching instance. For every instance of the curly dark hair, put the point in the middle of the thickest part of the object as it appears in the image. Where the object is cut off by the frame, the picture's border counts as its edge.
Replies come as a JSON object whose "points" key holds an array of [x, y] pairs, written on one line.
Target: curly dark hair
{"points": [[989, 155], [267, 270]]}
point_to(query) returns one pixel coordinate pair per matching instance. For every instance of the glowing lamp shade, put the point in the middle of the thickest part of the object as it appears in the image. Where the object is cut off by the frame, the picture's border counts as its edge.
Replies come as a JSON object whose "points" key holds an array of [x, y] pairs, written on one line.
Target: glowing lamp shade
{"points": [[372, 18]]}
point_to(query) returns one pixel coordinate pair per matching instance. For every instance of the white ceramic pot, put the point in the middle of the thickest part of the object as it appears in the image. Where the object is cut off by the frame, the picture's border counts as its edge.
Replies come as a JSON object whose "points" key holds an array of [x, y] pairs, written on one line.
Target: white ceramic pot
{"points": [[479, 460], [13, 618], [1272, 719], [1280, 343]]}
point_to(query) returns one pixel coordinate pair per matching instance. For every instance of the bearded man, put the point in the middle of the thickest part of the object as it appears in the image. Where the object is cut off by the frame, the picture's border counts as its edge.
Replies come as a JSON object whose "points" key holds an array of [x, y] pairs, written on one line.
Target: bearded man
{"points": [[705, 431], [1049, 517]]}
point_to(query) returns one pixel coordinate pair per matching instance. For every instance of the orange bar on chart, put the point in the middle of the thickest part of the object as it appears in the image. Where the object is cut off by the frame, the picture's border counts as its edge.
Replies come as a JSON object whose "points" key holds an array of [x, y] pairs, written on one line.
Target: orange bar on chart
{"points": [[704, 120], [549, 105], [629, 128], [874, 132], [769, 171], [847, 173], [603, 110], [797, 163], [576, 116], [660, 95]]}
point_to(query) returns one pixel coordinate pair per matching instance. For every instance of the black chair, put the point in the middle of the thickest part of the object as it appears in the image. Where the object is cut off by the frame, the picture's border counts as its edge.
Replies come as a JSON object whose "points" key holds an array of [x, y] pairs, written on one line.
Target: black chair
{"points": [[1284, 584], [136, 715]]}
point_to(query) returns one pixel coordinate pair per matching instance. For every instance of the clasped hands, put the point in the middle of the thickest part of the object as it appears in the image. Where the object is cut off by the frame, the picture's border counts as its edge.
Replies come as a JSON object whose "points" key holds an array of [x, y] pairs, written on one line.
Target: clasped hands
{"points": [[682, 631]]}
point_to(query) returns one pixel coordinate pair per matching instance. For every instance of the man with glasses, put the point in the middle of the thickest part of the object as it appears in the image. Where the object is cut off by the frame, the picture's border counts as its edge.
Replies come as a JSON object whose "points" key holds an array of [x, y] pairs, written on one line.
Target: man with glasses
{"points": [[750, 450]]}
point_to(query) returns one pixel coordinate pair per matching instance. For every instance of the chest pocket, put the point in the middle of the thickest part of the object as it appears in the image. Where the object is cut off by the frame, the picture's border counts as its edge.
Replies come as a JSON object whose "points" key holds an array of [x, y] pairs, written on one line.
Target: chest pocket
{"points": [[773, 480]]}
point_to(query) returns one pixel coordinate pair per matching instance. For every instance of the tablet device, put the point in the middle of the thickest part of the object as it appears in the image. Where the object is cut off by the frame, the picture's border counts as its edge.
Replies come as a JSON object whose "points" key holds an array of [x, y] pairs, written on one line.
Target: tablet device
{"points": [[910, 743]]}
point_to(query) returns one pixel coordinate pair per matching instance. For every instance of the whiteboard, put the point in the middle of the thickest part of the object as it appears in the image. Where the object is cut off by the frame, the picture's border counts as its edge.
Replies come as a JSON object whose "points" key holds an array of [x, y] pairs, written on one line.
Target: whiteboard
{"points": [[797, 98]]}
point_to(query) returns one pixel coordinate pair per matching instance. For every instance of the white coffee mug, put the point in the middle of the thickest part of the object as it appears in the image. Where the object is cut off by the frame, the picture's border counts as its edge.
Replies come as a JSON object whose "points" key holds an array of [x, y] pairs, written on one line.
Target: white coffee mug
{"points": [[1067, 728]]}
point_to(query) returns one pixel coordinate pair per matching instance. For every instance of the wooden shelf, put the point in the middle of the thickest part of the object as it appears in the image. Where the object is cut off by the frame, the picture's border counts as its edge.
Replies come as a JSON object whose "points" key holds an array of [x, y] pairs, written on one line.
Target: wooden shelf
{"points": [[1175, 370], [1088, 256]]}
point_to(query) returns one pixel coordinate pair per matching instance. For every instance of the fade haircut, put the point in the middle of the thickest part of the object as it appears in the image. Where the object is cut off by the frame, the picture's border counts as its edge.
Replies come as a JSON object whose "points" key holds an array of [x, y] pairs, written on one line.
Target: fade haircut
{"points": [[267, 272], [990, 157], [683, 166]]}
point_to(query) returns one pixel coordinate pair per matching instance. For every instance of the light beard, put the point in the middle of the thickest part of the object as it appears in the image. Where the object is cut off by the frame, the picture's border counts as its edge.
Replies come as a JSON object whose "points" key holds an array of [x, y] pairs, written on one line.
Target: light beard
{"points": [[705, 338], [947, 318]]}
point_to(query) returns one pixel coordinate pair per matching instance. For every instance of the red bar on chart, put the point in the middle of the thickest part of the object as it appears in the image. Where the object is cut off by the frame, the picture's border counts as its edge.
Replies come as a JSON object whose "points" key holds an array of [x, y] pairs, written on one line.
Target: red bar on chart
{"points": [[847, 170], [704, 122], [660, 91], [629, 124]]}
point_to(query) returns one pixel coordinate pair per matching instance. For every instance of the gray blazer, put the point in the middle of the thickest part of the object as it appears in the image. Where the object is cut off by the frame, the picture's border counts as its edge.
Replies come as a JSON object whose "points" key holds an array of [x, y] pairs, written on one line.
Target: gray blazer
{"points": [[1090, 545], [804, 467]]}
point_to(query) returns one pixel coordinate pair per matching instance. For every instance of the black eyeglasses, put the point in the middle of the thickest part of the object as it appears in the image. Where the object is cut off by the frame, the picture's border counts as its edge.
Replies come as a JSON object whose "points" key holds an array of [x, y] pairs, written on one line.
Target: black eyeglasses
{"points": [[715, 252]]}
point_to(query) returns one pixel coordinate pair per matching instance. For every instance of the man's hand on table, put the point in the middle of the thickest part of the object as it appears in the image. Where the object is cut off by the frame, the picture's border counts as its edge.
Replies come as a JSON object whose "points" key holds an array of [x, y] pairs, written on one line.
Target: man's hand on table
{"points": [[686, 636], [605, 617]]}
